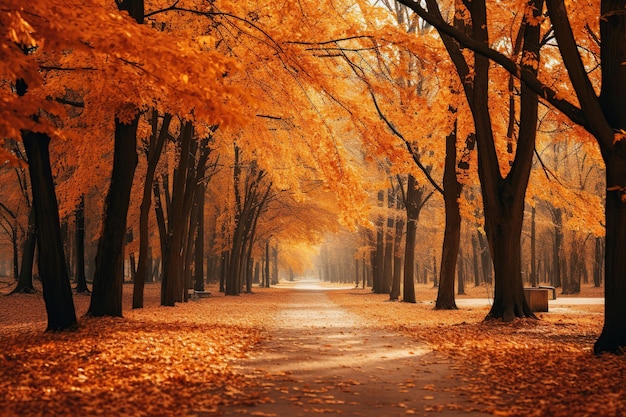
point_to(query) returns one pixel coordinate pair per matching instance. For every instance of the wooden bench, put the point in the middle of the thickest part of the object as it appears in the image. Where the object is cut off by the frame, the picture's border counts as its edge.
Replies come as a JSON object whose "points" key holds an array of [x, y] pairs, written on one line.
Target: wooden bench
{"points": [[550, 288], [201, 294], [537, 298]]}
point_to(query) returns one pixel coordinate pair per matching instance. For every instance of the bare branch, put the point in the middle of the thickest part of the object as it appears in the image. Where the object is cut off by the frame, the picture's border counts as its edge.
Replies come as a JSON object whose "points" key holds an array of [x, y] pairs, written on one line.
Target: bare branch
{"points": [[408, 145]]}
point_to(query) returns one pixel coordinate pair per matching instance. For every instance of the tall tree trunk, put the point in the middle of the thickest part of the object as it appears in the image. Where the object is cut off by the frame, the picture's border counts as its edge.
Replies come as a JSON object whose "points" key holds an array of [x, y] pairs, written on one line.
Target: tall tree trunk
{"points": [[397, 258], [267, 264], [275, 265], [504, 197], [461, 273], [153, 154], [598, 261], [534, 281], [379, 257], [108, 280], [475, 257], [25, 281], [161, 224], [388, 265], [199, 244], [452, 234], [172, 287], [57, 291], [557, 248], [613, 336], [224, 270], [413, 202], [485, 258], [613, 56], [233, 278], [81, 278]]}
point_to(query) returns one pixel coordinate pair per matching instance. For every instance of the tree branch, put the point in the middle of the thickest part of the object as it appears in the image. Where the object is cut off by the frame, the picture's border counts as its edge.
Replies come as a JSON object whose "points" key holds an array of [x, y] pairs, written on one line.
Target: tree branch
{"points": [[574, 113], [408, 145], [70, 102]]}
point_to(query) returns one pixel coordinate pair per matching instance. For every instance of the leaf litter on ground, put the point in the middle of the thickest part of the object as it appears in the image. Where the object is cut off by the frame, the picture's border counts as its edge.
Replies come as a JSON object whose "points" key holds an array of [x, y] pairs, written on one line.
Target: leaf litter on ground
{"points": [[527, 367], [161, 361]]}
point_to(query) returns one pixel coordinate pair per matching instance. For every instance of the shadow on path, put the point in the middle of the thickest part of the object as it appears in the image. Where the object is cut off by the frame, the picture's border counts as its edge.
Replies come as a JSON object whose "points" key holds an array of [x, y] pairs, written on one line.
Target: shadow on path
{"points": [[322, 359]]}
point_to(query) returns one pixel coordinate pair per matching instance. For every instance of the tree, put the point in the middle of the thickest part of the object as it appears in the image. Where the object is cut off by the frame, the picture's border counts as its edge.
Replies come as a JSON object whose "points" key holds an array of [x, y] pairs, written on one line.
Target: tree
{"points": [[8, 222], [108, 279], [603, 117], [452, 234], [503, 197], [397, 252], [414, 201], [25, 281], [106, 299], [81, 278], [15, 208], [57, 291], [250, 191], [152, 150]]}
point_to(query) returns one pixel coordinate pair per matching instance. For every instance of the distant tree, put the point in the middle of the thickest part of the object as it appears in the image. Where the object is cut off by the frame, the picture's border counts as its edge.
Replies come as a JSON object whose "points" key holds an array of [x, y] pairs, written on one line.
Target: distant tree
{"points": [[81, 278]]}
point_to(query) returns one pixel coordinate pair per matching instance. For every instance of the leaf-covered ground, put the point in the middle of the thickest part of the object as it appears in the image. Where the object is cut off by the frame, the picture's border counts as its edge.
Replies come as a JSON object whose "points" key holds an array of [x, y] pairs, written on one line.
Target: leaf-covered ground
{"points": [[525, 368], [162, 361], [153, 362]]}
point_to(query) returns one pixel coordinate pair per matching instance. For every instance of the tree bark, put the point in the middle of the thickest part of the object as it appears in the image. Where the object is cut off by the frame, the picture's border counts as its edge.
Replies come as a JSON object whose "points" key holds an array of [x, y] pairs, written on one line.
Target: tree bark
{"points": [[461, 273], [161, 225], [397, 257], [153, 154], [25, 281], [172, 287], [267, 264], [598, 262], [81, 278], [57, 291], [106, 299], [534, 281], [556, 278], [379, 256], [275, 265], [485, 258], [452, 233], [475, 261], [388, 264], [108, 280], [413, 204], [504, 198], [199, 243], [613, 56]]}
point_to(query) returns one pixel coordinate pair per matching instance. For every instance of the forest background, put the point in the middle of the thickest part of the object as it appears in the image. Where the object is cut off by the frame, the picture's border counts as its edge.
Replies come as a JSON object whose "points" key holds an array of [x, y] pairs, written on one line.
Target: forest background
{"points": [[242, 139]]}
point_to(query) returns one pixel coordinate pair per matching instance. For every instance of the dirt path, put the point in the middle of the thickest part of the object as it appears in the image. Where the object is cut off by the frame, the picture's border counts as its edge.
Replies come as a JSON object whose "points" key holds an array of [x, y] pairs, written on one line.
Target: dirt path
{"points": [[323, 359]]}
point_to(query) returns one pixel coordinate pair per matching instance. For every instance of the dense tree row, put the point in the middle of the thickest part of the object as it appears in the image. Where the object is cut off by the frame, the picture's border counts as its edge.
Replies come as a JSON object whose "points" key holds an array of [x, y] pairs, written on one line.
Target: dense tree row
{"points": [[260, 124]]}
